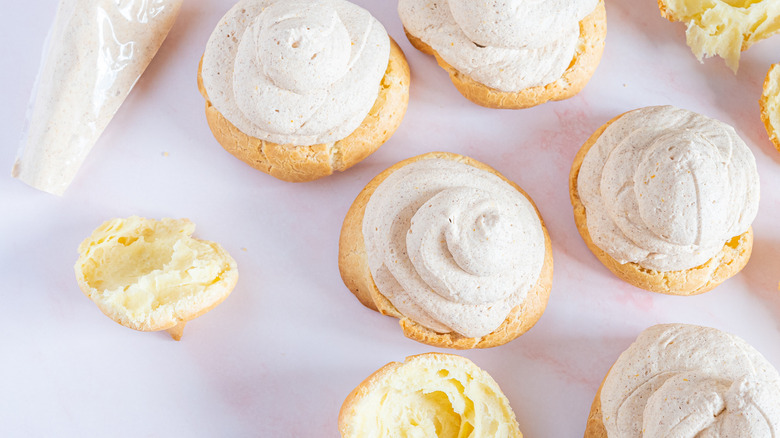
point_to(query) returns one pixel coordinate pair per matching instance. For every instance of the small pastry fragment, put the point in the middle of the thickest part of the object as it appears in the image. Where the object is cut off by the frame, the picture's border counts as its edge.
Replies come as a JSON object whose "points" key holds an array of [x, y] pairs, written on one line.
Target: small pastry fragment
{"points": [[151, 275], [450, 247], [686, 380], [770, 104], [511, 54], [665, 197], [431, 394], [299, 89], [723, 27]]}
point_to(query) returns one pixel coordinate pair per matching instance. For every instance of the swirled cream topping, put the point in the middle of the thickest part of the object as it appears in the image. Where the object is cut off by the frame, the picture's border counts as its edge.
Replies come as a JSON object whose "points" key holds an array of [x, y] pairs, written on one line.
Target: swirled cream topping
{"points": [[504, 44], [666, 188], [681, 380], [453, 247], [296, 72]]}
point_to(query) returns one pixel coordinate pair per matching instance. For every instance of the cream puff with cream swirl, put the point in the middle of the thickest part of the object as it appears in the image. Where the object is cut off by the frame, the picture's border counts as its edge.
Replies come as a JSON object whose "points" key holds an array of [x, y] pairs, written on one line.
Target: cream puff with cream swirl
{"points": [[666, 189], [301, 73], [686, 380], [451, 248], [510, 53]]}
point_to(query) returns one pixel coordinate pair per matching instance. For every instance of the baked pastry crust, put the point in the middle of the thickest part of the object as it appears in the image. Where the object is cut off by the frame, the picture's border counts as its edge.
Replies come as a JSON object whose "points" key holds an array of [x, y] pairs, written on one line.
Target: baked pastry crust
{"points": [[350, 409], [764, 102], [307, 163], [593, 32], [353, 265], [725, 264]]}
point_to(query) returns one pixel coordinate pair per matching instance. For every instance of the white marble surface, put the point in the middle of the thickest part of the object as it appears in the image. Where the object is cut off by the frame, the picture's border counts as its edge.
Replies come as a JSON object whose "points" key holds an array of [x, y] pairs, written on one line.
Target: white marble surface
{"points": [[277, 358]]}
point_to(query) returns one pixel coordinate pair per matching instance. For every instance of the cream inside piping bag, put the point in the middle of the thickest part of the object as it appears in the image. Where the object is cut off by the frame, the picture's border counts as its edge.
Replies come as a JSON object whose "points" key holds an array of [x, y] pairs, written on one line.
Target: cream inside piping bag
{"points": [[95, 53]]}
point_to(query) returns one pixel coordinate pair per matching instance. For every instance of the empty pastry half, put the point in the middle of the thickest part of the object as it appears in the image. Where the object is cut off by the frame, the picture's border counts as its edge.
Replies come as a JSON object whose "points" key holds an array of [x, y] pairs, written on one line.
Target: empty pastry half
{"points": [[723, 27], [665, 198], [151, 275], [300, 90], [449, 246], [514, 54], [431, 395], [680, 380]]}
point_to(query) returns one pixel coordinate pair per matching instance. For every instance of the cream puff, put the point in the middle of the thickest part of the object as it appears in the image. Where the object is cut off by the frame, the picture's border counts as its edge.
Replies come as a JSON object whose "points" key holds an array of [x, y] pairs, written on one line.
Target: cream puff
{"points": [[512, 54], [685, 380], [431, 394], [151, 275], [665, 197], [454, 250], [299, 89]]}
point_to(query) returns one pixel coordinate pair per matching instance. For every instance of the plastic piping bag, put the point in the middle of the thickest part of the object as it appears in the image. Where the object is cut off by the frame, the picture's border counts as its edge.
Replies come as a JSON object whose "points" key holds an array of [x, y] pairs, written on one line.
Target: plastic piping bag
{"points": [[95, 52]]}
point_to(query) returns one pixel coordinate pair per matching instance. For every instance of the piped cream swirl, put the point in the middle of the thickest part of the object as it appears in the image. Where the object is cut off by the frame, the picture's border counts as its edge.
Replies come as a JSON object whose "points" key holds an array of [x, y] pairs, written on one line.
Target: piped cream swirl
{"points": [[666, 188], [684, 380], [453, 247], [509, 45], [296, 72]]}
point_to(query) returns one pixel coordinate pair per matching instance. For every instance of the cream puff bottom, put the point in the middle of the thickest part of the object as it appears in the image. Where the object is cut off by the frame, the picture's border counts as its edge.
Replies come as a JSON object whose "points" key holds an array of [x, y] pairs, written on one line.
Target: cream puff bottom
{"points": [[151, 275], [431, 394]]}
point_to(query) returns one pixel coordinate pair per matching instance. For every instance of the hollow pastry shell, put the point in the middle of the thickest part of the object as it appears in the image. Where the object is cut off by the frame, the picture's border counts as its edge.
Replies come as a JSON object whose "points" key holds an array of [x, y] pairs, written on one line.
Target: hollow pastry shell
{"points": [[417, 376], [151, 275]]}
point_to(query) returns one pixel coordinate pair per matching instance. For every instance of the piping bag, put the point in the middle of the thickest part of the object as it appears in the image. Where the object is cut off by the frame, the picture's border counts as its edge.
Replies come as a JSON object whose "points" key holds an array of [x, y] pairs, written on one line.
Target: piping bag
{"points": [[94, 54]]}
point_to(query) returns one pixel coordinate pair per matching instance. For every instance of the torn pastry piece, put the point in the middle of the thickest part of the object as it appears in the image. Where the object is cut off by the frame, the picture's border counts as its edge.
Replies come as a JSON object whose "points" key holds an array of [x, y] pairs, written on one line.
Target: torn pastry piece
{"points": [[431, 394], [510, 54], [665, 197], [723, 27], [770, 104], [97, 50], [686, 380], [454, 250], [151, 275], [300, 89]]}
